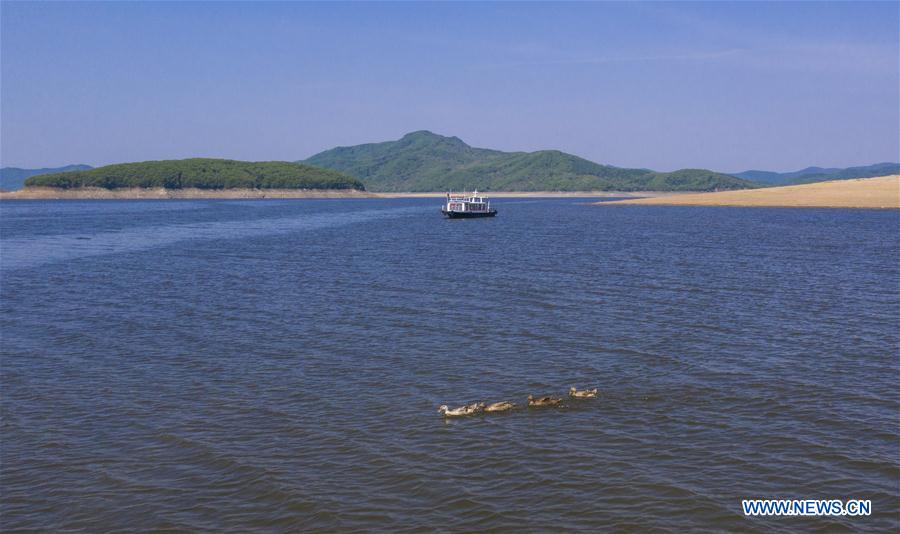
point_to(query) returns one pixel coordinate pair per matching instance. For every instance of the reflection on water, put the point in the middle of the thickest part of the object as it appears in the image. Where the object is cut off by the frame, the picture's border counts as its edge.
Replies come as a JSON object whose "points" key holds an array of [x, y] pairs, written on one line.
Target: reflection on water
{"points": [[30, 252]]}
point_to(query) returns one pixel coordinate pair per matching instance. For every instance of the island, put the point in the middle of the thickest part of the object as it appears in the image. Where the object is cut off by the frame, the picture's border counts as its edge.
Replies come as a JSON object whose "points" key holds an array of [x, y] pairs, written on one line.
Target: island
{"points": [[193, 178]]}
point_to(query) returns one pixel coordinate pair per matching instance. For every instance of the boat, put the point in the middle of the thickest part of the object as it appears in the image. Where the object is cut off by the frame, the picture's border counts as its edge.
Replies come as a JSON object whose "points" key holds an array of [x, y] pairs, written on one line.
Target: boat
{"points": [[466, 206]]}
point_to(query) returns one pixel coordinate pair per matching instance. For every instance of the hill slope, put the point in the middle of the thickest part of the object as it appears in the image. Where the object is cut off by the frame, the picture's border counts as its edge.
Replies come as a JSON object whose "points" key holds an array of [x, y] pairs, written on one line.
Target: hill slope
{"points": [[13, 178], [424, 161], [819, 174], [201, 173]]}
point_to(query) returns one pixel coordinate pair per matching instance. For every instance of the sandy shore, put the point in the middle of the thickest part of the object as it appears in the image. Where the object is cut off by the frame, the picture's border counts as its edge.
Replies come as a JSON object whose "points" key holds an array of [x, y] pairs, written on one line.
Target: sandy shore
{"points": [[97, 193], [882, 192], [159, 193], [536, 194]]}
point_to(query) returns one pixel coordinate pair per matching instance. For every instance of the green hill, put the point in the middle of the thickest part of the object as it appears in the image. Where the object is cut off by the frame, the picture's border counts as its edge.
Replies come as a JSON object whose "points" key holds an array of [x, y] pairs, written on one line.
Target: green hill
{"points": [[424, 161], [201, 173], [867, 171], [819, 174]]}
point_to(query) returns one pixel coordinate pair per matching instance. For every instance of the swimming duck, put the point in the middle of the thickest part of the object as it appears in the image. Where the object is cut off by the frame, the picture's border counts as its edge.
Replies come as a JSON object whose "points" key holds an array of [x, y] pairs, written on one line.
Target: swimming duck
{"points": [[582, 394], [468, 409], [499, 406], [543, 401]]}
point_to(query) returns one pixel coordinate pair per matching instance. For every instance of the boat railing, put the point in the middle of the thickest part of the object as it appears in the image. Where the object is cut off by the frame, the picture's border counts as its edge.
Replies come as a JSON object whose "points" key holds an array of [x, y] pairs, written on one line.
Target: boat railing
{"points": [[468, 201]]}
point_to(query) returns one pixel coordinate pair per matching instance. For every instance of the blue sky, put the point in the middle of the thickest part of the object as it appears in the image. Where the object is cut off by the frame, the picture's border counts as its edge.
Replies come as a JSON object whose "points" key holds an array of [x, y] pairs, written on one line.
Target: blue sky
{"points": [[727, 86]]}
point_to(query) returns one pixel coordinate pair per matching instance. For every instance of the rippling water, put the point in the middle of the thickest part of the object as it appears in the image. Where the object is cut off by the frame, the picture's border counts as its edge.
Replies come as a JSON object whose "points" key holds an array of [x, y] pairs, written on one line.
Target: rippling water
{"points": [[278, 365]]}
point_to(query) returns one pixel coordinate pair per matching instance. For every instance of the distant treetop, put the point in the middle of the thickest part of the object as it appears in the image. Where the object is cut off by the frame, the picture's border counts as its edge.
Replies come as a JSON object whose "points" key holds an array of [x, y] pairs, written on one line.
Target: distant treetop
{"points": [[202, 173]]}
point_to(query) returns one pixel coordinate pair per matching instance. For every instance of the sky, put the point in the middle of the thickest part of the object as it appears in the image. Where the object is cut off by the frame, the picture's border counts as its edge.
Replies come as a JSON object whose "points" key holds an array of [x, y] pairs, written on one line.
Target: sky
{"points": [[724, 86]]}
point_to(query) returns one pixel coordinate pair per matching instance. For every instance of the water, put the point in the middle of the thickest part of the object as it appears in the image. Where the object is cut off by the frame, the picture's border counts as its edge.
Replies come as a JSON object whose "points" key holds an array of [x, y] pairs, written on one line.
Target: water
{"points": [[277, 365]]}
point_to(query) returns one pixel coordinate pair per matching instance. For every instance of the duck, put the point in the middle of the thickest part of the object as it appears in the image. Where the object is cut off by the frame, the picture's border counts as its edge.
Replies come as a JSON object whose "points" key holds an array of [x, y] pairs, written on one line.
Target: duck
{"points": [[543, 401], [501, 406], [468, 409], [582, 394]]}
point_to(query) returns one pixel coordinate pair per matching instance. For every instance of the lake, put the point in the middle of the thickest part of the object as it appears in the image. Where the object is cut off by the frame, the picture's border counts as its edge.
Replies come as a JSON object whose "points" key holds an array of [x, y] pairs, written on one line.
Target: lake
{"points": [[278, 364]]}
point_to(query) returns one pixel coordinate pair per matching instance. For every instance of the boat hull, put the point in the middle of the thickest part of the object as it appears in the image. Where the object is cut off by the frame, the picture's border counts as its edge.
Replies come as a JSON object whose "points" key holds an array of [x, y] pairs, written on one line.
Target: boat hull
{"points": [[468, 214]]}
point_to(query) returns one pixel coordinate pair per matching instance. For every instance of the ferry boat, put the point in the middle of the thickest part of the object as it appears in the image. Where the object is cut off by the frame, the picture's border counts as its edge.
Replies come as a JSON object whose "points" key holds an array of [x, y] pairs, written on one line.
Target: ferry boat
{"points": [[465, 206]]}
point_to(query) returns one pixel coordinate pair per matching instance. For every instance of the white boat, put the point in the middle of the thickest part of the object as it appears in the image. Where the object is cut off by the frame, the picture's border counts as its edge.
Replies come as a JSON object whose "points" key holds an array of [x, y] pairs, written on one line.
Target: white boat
{"points": [[466, 206]]}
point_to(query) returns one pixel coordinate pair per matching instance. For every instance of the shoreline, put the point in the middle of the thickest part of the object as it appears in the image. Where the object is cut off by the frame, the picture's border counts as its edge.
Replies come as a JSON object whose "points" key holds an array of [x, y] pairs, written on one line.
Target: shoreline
{"points": [[538, 194], [881, 192], [159, 193]]}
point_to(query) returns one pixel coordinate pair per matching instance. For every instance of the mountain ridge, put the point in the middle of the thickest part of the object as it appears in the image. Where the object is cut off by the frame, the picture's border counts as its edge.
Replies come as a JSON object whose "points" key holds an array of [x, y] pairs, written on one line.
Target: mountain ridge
{"points": [[820, 174], [426, 161]]}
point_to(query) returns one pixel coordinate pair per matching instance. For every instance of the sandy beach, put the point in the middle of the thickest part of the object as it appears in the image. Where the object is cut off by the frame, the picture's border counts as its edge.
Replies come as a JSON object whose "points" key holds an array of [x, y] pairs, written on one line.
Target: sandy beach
{"points": [[97, 193], [881, 192]]}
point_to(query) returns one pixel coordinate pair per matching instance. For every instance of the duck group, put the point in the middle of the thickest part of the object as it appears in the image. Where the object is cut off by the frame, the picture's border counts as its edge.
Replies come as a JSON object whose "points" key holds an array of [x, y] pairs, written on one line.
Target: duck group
{"points": [[505, 406]]}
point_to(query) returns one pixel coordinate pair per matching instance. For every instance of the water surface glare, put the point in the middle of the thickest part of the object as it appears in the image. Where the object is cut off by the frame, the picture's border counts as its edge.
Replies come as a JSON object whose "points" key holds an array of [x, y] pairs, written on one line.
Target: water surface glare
{"points": [[277, 365]]}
